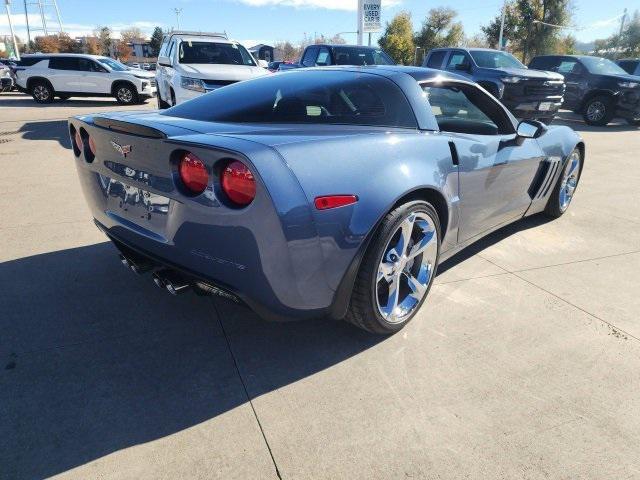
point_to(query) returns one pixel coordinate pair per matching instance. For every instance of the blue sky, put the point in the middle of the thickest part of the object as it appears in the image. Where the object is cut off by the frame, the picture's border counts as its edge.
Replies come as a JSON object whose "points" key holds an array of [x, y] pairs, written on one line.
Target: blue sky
{"points": [[257, 21]]}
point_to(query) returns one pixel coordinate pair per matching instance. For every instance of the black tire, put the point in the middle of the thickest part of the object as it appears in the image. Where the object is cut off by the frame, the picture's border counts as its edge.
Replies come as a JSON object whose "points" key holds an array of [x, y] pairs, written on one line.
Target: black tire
{"points": [[162, 105], [598, 111], [363, 310], [42, 91], [634, 121], [553, 208], [125, 94]]}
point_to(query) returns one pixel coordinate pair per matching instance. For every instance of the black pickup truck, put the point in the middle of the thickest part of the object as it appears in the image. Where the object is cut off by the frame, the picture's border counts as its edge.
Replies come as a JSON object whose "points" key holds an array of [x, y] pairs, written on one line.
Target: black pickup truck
{"points": [[527, 93], [597, 88]]}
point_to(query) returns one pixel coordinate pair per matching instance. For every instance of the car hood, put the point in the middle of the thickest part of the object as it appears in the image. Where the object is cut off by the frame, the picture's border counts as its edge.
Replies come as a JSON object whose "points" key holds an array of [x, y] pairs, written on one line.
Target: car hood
{"points": [[620, 78], [222, 72], [527, 73], [139, 73]]}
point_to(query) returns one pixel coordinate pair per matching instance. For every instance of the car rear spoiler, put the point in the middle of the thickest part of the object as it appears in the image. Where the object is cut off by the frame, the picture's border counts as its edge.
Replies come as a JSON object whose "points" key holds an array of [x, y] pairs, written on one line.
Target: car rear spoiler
{"points": [[130, 128]]}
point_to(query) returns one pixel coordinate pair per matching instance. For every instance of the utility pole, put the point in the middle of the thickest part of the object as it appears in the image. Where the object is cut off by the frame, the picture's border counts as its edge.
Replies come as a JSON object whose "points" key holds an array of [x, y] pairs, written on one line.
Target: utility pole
{"points": [[622, 21], [178, 12], [16, 52], [360, 21], [500, 38]]}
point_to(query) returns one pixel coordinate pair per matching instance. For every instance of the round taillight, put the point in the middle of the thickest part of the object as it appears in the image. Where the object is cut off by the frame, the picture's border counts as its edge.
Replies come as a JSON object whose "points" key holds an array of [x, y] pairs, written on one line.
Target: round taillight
{"points": [[193, 173], [78, 140], [238, 183], [92, 146]]}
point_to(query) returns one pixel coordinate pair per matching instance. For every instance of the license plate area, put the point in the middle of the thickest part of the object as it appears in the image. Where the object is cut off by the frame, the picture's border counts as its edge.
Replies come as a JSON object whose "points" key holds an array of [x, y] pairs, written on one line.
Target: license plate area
{"points": [[136, 207], [545, 106]]}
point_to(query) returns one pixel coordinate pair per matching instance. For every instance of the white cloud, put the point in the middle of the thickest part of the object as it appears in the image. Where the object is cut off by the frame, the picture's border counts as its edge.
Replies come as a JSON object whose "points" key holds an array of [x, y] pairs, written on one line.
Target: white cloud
{"points": [[73, 29], [349, 5]]}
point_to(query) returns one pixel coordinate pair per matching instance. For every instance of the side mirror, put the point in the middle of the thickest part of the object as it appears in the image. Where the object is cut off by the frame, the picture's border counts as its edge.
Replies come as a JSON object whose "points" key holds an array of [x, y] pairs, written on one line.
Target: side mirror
{"points": [[531, 129], [164, 61], [463, 66], [263, 63]]}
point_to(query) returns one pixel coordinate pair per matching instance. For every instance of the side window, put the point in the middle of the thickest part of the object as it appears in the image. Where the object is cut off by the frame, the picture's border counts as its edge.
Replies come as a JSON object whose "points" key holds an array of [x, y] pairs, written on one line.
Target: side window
{"points": [[455, 59], [324, 57], [462, 108], [568, 66], [309, 59], [64, 63], [170, 49], [86, 65], [436, 59], [544, 63]]}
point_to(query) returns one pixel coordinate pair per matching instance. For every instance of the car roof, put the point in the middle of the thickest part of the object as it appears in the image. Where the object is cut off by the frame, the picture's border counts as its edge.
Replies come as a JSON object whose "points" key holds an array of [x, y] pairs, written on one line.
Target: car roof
{"points": [[418, 73], [467, 49], [46, 55], [343, 45]]}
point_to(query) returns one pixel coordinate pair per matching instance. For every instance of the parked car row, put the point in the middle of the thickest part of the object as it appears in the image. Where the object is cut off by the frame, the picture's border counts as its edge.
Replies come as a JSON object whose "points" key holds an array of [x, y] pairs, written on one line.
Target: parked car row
{"points": [[192, 63]]}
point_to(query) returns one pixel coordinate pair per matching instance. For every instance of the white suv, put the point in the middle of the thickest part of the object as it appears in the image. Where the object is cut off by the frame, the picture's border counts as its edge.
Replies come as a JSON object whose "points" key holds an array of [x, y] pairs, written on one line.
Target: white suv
{"points": [[191, 63], [78, 75]]}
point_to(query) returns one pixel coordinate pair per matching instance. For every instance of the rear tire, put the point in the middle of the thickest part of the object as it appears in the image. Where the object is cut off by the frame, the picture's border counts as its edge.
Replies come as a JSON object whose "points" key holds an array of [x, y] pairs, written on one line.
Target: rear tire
{"points": [[126, 94], [42, 91], [409, 274], [598, 111], [565, 188]]}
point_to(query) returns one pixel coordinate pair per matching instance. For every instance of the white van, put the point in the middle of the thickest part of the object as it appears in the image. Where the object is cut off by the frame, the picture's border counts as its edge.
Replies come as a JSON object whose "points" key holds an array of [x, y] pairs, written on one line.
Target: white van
{"points": [[192, 63]]}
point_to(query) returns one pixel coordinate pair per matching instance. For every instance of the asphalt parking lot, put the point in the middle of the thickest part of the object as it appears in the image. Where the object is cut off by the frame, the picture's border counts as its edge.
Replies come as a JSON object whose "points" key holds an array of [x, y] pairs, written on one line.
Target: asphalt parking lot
{"points": [[524, 363]]}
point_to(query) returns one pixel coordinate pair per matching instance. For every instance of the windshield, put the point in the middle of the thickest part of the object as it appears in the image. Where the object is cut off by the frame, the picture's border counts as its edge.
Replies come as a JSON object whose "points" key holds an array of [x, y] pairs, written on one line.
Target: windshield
{"points": [[361, 56], [112, 64], [214, 53], [491, 59], [309, 97], [601, 66]]}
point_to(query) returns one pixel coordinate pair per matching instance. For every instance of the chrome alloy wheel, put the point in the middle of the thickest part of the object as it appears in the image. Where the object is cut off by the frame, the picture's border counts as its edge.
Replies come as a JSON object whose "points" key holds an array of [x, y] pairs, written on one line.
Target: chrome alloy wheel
{"points": [[124, 95], [596, 111], [406, 267], [41, 92], [569, 180]]}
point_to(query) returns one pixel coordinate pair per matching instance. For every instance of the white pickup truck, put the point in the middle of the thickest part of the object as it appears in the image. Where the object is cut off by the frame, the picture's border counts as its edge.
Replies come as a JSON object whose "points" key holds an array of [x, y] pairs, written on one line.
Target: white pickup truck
{"points": [[79, 75], [192, 63]]}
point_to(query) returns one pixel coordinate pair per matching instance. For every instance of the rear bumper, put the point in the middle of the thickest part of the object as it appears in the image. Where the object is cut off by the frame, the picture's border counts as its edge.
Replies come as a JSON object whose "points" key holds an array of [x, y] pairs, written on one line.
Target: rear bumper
{"points": [[268, 254]]}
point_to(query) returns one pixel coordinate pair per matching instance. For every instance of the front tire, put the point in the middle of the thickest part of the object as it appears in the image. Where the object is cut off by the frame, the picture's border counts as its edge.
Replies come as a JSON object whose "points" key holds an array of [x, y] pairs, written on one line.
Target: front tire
{"points": [[598, 111], [162, 105], [634, 121], [126, 94], [42, 91], [397, 270], [566, 185]]}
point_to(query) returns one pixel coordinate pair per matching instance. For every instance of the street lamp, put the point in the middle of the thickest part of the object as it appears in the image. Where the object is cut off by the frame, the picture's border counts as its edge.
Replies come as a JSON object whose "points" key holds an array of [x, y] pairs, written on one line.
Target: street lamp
{"points": [[16, 52], [177, 11]]}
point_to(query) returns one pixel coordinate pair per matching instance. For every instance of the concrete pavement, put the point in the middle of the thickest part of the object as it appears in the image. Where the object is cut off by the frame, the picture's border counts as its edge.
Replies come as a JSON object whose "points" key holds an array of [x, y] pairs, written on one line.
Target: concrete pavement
{"points": [[523, 363]]}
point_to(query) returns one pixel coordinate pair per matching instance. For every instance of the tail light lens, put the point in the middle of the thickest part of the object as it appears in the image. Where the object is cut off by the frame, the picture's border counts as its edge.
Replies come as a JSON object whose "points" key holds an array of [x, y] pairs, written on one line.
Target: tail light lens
{"points": [[92, 146], [193, 173], [238, 183], [78, 139]]}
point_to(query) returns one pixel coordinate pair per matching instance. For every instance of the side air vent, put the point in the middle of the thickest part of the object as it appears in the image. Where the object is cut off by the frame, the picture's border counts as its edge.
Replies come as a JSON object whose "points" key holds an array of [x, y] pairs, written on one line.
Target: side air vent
{"points": [[543, 179]]}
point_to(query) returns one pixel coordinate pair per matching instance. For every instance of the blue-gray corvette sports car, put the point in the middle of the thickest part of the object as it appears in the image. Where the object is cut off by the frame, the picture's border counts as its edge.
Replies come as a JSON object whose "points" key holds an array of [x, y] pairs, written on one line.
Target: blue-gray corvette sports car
{"points": [[320, 192]]}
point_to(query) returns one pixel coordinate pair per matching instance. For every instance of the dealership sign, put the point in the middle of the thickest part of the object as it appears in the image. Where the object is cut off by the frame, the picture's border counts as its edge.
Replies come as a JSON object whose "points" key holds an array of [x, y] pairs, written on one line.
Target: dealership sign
{"points": [[371, 10]]}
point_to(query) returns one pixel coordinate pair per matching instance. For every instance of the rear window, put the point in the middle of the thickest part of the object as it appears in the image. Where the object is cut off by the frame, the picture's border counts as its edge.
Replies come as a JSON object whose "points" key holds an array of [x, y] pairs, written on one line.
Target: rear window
{"points": [[361, 56], [436, 58], [313, 97]]}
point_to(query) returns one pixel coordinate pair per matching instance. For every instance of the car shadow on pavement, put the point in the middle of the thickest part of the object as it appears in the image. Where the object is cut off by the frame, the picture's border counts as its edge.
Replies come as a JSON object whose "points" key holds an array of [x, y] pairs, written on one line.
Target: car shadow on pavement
{"points": [[95, 359], [576, 122], [16, 100], [47, 130]]}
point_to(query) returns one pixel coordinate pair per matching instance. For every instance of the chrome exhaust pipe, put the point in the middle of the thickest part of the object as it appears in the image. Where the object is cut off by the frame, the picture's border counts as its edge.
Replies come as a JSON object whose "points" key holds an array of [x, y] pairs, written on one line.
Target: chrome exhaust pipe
{"points": [[171, 281], [137, 266]]}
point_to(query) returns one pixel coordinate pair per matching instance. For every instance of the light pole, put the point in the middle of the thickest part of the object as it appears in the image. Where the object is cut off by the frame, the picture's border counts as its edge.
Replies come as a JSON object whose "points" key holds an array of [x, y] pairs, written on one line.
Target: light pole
{"points": [[504, 11], [16, 52], [178, 12], [415, 56]]}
